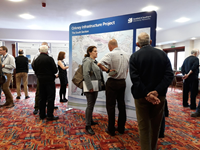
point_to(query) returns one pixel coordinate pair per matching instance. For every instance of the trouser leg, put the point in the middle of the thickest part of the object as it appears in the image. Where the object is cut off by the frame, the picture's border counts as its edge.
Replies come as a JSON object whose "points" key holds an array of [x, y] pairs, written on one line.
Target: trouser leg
{"points": [[121, 106], [185, 92], [18, 83], [6, 89], [193, 93], [51, 90], [91, 99], [25, 83], [37, 95], [110, 106]]}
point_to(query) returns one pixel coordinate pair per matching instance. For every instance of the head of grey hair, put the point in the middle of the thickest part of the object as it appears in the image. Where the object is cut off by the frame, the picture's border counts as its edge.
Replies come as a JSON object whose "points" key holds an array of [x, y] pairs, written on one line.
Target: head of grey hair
{"points": [[143, 39], [43, 49], [194, 52]]}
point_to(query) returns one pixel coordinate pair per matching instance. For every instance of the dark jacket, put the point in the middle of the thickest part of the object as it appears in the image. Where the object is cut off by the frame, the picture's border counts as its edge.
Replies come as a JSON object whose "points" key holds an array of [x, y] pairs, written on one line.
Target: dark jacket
{"points": [[21, 64], [45, 68], [191, 63], [150, 69]]}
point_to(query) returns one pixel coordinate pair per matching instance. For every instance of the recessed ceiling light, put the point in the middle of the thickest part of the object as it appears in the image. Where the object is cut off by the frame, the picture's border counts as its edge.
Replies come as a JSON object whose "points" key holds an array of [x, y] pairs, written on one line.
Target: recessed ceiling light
{"points": [[158, 28], [150, 8], [193, 38], [34, 26], [182, 19], [16, 0], [84, 12], [26, 16]]}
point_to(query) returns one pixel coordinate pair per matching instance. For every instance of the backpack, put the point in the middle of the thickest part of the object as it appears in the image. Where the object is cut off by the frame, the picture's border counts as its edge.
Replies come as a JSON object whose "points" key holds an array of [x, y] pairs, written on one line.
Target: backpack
{"points": [[78, 77]]}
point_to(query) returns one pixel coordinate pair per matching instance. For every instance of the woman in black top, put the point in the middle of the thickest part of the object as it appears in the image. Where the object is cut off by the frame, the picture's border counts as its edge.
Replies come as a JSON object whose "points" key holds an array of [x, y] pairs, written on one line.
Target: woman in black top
{"points": [[62, 76]]}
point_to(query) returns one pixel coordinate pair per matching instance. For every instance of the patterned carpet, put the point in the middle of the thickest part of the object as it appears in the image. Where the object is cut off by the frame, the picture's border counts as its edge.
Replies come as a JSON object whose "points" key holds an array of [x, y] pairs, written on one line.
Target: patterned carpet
{"points": [[20, 129]]}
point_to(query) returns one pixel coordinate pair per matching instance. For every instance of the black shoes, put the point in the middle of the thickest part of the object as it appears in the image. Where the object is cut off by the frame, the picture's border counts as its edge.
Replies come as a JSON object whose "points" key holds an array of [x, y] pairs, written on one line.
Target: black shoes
{"points": [[27, 97], [161, 136], [18, 97], [63, 100], [55, 107], [52, 118], [111, 134], [89, 130], [42, 118], [94, 123], [35, 111], [195, 114]]}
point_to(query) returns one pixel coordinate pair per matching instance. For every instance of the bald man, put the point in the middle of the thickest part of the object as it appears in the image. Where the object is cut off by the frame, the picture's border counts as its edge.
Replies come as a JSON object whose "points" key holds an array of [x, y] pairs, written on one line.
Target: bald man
{"points": [[116, 60], [151, 74], [21, 73]]}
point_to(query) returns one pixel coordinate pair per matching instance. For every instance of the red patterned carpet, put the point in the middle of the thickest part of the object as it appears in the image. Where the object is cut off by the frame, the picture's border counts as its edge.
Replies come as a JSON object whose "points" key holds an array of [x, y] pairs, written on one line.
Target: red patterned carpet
{"points": [[20, 129]]}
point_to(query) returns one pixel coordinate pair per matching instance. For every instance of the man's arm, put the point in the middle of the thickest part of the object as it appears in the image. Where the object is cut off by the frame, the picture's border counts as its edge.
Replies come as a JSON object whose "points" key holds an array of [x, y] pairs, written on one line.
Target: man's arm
{"points": [[167, 78], [135, 78], [11, 65]]}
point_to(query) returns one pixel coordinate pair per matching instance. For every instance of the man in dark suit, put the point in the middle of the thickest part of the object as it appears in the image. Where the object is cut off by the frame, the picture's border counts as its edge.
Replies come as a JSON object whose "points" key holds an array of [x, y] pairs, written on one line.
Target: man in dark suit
{"points": [[45, 70], [151, 74], [190, 71], [21, 74]]}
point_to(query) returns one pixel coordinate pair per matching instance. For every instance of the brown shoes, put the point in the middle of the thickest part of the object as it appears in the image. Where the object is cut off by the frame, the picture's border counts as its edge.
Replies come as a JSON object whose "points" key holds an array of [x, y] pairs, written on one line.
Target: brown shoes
{"points": [[10, 105], [5, 104]]}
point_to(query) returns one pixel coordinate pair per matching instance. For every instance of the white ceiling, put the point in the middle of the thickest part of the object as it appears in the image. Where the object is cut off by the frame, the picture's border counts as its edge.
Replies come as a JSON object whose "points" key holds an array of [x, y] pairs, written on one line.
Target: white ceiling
{"points": [[59, 14]]}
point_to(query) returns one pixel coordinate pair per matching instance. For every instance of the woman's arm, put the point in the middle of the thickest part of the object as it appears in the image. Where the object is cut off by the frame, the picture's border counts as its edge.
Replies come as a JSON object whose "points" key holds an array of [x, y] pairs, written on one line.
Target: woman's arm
{"points": [[61, 65]]}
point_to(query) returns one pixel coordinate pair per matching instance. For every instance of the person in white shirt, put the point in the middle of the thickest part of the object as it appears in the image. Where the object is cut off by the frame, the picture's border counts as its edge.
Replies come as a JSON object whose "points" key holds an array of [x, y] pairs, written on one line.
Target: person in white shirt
{"points": [[116, 60], [8, 64]]}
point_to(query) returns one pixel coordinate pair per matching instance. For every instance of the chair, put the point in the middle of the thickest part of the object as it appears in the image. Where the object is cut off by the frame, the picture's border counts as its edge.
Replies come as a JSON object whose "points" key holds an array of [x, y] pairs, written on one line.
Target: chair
{"points": [[178, 80]]}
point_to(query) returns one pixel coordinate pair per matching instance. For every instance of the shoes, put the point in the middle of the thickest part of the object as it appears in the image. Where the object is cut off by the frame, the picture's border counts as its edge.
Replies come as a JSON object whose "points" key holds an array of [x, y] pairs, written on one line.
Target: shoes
{"points": [[89, 130], [35, 111], [94, 123], [42, 118], [196, 114], [5, 104], [18, 97], [55, 107], [193, 108], [52, 118], [27, 97], [161, 136], [10, 105], [63, 100], [121, 132], [111, 134]]}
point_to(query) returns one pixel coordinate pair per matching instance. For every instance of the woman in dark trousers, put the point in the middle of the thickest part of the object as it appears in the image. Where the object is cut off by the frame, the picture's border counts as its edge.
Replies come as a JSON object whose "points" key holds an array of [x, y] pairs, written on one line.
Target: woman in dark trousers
{"points": [[91, 72], [62, 76]]}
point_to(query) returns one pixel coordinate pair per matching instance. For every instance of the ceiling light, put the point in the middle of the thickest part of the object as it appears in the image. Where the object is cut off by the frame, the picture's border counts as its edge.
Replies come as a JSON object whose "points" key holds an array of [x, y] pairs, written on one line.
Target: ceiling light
{"points": [[182, 19], [16, 0], [150, 8], [84, 12], [34, 26], [193, 38], [26, 16], [158, 28]]}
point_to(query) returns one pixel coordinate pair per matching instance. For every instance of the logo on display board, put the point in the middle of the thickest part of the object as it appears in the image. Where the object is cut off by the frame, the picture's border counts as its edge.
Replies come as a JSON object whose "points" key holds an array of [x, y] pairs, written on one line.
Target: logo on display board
{"points": [[130, 20]]}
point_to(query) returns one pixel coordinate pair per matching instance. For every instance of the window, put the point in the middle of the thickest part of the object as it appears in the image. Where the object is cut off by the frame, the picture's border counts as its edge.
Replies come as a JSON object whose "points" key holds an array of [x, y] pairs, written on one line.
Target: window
{"points": [[176, 56]]}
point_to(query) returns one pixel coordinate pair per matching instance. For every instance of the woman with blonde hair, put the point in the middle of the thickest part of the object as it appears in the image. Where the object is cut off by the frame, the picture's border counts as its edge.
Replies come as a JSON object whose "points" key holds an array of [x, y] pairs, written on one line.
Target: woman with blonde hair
{"points": [[62, 76]]}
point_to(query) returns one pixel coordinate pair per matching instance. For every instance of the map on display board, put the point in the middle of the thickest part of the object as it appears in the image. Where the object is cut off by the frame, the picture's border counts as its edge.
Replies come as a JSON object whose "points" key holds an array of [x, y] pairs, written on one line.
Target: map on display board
{"points": [[98, 33], [82, 42]]}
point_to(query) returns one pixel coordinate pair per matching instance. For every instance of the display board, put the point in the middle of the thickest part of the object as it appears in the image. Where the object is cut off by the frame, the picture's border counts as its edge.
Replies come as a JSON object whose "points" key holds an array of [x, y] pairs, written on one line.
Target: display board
{"points": [[124, 29], [1, 43]]}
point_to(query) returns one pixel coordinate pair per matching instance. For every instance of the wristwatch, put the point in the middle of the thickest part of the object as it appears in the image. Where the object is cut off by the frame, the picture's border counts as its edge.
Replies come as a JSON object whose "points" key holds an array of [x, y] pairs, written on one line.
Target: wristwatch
{"points": [[108, 71]]}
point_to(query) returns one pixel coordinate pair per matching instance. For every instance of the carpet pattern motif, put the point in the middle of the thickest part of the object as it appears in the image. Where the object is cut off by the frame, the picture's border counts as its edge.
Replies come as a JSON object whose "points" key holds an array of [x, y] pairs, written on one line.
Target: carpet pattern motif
{"points": [[20, 129]]}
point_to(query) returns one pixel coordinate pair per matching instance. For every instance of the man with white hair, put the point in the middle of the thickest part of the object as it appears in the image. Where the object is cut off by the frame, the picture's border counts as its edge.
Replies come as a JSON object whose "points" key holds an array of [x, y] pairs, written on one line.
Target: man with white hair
{"points": [[45, 70], [190, 71], [151, 74]]}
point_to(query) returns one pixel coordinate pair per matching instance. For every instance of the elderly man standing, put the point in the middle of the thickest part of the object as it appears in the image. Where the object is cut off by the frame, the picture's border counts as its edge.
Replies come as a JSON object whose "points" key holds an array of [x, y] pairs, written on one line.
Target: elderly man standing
{"points": [[45, 70], [151, 74], [8, 64], [21, 74], [190, 71], [116, 60]]}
